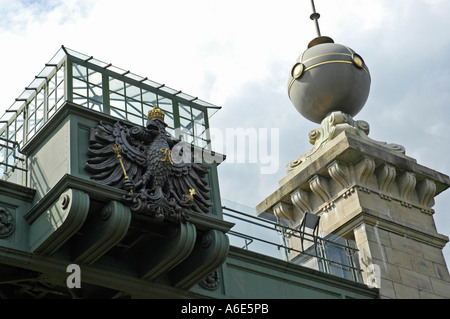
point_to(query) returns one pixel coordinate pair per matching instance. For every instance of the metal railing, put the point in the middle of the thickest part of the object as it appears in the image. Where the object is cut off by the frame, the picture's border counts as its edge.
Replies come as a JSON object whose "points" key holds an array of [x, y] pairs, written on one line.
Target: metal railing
{"points": [[333, 254]]}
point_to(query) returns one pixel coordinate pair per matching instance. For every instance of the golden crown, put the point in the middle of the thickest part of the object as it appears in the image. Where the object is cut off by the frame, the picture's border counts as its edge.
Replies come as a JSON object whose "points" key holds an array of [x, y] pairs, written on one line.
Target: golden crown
{"points": [[155, 113]]}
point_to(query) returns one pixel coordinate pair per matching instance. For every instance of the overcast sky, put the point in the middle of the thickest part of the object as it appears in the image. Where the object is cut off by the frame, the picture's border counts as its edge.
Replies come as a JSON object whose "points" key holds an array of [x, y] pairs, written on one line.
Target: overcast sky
{"points": [[238, 54]]}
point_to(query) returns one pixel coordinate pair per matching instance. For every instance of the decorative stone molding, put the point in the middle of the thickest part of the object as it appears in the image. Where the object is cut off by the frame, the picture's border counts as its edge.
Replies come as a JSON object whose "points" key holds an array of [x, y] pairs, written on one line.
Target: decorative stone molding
{"points": [[285, 211], [426, 190], [301, 200], [339, 173], [364, 170], [386, 177], [332, 126], [319, 186], [406, 184], [7, 223]]}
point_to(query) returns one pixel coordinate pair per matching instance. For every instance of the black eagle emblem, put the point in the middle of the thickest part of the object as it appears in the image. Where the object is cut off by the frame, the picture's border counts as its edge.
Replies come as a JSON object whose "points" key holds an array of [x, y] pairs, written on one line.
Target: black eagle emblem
{"points": [[140, 160]]}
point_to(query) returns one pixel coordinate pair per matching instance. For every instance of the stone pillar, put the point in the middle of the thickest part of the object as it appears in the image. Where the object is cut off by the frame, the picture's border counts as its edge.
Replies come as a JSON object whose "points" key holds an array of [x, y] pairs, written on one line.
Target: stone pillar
{"points": [[373, 193]]}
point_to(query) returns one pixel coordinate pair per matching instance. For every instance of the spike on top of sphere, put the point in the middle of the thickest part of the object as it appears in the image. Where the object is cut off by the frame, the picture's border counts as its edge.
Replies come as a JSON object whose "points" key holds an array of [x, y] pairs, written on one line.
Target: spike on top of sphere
{"points": [[328, 77]]}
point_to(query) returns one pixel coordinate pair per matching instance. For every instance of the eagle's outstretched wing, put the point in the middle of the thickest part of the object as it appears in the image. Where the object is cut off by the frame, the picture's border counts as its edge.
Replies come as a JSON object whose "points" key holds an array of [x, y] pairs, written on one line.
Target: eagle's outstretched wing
{"points": [[189, 181], [112, 144], [189, 178]]}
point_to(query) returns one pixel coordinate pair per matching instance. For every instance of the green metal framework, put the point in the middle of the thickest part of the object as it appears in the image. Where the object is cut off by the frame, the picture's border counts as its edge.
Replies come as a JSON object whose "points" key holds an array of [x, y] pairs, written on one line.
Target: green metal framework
{"points": [[83, 80]]}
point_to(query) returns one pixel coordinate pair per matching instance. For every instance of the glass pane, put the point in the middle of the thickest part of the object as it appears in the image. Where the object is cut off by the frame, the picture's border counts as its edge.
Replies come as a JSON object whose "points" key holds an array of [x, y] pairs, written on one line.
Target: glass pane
{"points": [[79, 72], [146, 108], [118, 113], [19, 135], [40, 113], [60, 75], [46, 71], [185, 96], [58, 57], [199, 129], [116, 86], [96, 93], [24, 96], [77, 54], [40, 98], [52, 84], [188, 138], [10, 157], [151, 83], [11, 130], [196, 114], [133, 91], [60, 103], [170, 131], [20, 119], [95, 77], [60, 91], [51, 111], [187, 124], [168, 118], [149, 97], [135, 119], [134, 107], [36, 83], [95, 105], [117, 100], [52, 99], [168, 90], [80, 100], [165, 104], [98, 62], [31, 124], [198, 142], [2, 154], [184, 111], [39, 124], [31, 107], [135, 77], [116, 69], [79, 87]]}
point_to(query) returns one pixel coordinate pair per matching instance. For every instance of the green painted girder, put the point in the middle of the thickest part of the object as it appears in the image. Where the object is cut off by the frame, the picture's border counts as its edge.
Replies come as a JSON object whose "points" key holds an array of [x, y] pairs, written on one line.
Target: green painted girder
{"points": [[56, 224], [164, 254], [104, 230], [210, 251]]}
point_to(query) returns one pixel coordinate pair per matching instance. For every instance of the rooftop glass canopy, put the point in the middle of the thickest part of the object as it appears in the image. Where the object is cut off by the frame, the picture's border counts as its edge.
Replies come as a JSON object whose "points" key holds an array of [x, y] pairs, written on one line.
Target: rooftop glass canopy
{"points": [[83, 80]]}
